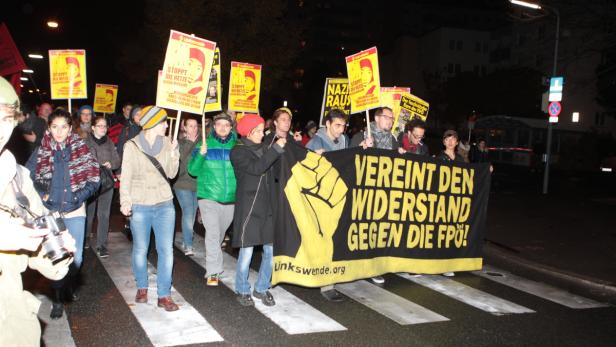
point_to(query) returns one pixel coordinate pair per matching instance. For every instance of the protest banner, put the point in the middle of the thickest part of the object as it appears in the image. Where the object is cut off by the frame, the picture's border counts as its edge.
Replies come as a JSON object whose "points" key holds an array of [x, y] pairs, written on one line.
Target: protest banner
{"points": [[213, 99], [335, 95], [11, 62], [105, 97], [244, 87], [355, 213], [364, 81], [412, 107], [390, 97], [67, 74]]}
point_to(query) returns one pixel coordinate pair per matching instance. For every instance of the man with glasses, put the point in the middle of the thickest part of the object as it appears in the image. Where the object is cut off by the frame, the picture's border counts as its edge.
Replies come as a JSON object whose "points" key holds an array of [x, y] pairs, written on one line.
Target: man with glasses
{"points": [[380, 136], [414, 132]]}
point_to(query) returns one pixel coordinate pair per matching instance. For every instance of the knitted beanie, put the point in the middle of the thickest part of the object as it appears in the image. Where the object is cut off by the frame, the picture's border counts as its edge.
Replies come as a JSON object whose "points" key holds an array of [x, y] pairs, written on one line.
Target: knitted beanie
{"points": [[248, 122], [151, 116]]}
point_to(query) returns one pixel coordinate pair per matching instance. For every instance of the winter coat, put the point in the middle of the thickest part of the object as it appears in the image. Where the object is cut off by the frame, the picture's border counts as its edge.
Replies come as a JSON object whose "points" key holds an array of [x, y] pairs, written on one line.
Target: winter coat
{"points": [[444, 157], [141, 183], [252, 219], [322, 141], [105, 151], [184, 180], [18, 308], [214, 172]]}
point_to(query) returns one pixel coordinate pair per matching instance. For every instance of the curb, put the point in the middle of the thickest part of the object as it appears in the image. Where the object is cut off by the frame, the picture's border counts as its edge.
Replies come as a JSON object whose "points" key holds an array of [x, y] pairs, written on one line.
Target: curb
{"points": [[606, 288]]}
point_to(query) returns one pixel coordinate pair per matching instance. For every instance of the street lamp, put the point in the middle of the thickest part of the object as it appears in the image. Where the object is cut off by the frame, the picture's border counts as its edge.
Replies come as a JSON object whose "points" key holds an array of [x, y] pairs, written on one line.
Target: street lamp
{"points": [[27, 71], [546, 173], [52, 24], [35, 56]]}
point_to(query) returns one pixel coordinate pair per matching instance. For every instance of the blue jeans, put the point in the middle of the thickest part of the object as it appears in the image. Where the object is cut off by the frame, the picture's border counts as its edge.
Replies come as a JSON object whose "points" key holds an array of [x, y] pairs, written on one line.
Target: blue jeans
{"points": [[188, 203], [242, 286], [161, 217], [76, 227]]}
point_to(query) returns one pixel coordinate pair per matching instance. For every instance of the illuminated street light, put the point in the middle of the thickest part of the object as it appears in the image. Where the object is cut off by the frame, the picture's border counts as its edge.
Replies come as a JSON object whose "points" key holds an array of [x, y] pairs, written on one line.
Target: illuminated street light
{"points": [[30, 91], [27, 71], [23, 78], [525, 4], [52, 24], [35, 56]]}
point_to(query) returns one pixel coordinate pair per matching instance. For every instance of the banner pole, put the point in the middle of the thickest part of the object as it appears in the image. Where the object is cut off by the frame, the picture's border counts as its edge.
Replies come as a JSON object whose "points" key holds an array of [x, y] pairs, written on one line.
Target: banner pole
{"points": [[178, 120], [170, 128], [368, 124], [203, 128], [70, 109]]}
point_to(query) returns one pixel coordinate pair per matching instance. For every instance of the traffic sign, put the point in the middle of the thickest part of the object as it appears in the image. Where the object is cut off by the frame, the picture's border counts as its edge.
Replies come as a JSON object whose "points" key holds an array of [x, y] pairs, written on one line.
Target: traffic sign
{"points": [[554, 110], [556, 89]]}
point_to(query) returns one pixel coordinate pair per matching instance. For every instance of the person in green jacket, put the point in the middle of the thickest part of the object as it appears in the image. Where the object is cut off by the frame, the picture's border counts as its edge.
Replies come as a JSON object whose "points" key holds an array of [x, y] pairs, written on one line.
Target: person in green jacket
{"points": [[216, 184]]}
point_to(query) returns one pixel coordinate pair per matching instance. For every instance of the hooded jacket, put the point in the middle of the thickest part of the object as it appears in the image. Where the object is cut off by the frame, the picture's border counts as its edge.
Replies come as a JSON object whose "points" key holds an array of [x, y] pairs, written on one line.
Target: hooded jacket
{"points": [[322, 141]]}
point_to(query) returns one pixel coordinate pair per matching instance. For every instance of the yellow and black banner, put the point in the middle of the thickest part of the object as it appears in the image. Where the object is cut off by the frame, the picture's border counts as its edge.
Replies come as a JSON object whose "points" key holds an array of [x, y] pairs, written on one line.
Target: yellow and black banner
{"points": [[355, 213]]}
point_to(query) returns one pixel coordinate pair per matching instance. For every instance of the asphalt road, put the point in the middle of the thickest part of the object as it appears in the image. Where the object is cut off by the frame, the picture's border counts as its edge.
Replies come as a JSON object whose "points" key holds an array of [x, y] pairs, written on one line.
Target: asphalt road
{"points": [[102, 317]]}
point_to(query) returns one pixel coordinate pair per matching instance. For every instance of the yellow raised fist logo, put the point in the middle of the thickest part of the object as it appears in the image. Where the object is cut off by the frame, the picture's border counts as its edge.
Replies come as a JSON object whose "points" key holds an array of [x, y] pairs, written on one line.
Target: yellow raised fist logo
{"points": [[317, 196]]}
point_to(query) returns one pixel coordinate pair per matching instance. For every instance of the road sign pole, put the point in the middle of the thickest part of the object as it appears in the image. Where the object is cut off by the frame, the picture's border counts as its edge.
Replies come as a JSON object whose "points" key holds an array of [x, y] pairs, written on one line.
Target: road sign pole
{"points": [[546, 173]]}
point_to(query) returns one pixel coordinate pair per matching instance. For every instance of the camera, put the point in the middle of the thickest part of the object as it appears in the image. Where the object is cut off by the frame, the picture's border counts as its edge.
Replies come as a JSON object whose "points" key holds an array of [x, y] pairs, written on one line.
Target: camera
{"points": [[53, 244]]}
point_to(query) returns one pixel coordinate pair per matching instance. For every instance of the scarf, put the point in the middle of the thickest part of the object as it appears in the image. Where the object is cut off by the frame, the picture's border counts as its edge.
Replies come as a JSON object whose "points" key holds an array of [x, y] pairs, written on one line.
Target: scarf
{"points": [[100, 141], [152, 150], [382, 139], [82, 166]]}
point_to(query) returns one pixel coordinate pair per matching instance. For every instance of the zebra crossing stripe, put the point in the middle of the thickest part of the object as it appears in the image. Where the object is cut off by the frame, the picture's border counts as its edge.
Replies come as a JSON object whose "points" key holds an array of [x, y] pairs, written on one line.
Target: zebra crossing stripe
{"points": [[56, 332], [290, 313], [392, 306], [468, 295], [185, 326], [539, 289]]}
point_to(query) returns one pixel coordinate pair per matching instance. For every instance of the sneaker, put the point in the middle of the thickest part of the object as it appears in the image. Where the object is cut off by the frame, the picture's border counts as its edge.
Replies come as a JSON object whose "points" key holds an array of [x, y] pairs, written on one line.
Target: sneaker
{"points": [[102, 252], [332, 295], [378, 280], [266, 298], [212, 281], [189, 251], [245, 300], [449, 274], [57, 308]]}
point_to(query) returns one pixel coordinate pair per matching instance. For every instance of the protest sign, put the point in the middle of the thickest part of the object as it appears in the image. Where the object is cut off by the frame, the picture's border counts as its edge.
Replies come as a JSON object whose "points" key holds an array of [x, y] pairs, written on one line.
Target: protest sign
{"points": [[67, 74], [335, 96], [364, 81], [390, 97], [213, 99], [356, 213], [184, 80], [244, 87], [105, 97], [412, 107]]}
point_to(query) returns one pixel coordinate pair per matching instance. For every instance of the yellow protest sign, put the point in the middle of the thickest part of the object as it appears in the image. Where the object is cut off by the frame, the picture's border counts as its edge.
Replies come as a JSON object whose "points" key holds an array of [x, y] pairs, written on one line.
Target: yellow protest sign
{"points": [[213, 98], [105, 97], [412, 107], [184, 81], [67, 74], [364, 80], [390, 97], [335, 95], [244, 87]]}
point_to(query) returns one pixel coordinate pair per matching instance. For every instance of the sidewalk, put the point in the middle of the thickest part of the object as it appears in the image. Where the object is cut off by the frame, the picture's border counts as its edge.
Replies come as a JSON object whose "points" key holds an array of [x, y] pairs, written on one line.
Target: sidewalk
{"points": [[569, 239]]}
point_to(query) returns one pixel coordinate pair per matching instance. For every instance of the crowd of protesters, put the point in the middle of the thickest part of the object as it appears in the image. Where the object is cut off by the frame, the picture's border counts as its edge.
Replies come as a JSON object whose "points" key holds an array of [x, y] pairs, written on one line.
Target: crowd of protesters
{"points": [[229, 178]]}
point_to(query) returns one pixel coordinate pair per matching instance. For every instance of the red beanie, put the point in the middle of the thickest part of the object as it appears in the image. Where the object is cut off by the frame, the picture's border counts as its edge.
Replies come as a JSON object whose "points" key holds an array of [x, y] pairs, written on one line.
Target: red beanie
{"points": [[248, 122]]}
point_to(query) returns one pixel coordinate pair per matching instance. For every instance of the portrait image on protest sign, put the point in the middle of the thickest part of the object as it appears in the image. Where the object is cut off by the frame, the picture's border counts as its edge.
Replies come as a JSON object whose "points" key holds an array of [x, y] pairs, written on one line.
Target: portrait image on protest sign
{"points": [[185, 73], [390, 97], [364, 80], [67, 74], [356, 213], [244, 87], [213, 98], [105, 97], [335, 96]]}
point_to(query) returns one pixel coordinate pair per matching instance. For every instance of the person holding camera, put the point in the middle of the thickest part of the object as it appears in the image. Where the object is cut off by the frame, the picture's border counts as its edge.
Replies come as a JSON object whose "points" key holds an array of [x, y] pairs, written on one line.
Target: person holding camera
{"points": [[65, 174], [20, 245]]}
